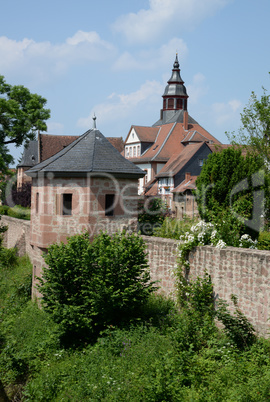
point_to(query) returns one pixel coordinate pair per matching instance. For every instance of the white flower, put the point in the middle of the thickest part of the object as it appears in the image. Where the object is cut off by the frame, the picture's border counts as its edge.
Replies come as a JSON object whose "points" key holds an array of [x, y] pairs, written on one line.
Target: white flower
{"points": [[221, 244]]}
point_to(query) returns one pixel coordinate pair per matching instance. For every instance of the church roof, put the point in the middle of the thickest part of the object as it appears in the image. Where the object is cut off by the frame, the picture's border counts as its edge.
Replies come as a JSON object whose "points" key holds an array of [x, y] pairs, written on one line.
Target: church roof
{"points": [[177, 117], [90, 153]]}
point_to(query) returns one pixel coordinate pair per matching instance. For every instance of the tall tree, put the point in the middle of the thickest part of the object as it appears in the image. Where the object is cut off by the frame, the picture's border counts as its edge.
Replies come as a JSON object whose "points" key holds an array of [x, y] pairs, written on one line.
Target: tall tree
{"points": [[234, 184], [254, 133], [22, 114]]}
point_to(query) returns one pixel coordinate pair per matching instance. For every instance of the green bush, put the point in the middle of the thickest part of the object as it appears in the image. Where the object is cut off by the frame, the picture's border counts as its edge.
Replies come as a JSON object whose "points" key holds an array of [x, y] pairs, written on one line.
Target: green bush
{"points": [[19, 212], [4, 209], [152, 213], [264, 241], [173, 228], [237, 327], [88, 286]]}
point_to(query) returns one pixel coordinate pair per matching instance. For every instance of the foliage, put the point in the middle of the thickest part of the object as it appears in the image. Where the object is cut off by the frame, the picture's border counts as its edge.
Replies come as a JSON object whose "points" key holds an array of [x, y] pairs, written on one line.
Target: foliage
{"points": [[88, 286], [173, 228], [264, 241], [227, 182], [19, 196], [201, 234], [152, 212], [21, 115], [254, 133], [167, 356], [237, 327], [20, 212]]}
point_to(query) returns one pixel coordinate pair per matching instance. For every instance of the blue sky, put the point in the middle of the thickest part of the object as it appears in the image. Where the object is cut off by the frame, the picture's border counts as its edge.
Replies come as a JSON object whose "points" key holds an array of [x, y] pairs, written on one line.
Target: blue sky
{"points": [[113, 58]]}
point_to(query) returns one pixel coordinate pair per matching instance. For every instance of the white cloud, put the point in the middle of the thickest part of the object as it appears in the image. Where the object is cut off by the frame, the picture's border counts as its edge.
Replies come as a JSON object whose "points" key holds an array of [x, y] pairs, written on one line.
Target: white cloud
{"points": [[152, 58], [197, 89], [177, 15], [120, 106], [42, 60], [226, 112], [55, 128]]}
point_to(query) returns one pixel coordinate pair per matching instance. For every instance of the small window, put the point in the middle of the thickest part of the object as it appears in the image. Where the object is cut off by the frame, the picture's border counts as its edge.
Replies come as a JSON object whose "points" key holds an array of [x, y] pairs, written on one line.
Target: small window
{"points": [[134, 151], [37, 202], [145, 179], [67, 204], [179, 104], [109, 204], [171, 103], [200, 162], [138, 150]]}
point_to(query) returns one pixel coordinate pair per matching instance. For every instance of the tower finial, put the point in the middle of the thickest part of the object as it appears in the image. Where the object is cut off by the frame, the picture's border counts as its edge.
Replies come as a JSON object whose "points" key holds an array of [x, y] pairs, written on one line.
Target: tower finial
{"points": [[94, 121]]}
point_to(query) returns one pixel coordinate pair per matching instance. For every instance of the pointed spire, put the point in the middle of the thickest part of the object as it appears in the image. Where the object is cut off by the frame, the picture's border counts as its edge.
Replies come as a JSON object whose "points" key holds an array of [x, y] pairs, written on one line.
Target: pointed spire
{"points": [[176, 63], [94, 121]]}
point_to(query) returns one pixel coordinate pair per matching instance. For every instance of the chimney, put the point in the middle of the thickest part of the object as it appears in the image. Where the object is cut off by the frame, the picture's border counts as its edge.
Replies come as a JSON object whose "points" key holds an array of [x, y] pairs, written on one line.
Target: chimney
{"points": [[185, 120], [187, 178]]}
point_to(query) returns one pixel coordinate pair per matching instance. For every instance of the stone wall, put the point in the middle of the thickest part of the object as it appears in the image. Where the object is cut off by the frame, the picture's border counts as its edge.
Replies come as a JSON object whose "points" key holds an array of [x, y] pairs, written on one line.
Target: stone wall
{"points": [[243, 272], [18, 234]]}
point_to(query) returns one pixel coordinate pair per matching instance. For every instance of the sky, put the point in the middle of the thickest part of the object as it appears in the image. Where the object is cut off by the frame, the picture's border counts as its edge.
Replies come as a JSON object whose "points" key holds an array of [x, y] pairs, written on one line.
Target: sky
{"points": [[114, 58]]}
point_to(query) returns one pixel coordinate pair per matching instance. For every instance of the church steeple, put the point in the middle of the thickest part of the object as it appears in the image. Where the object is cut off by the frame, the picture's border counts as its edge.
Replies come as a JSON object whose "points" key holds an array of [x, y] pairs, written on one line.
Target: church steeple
{"points": [[175, 95]]}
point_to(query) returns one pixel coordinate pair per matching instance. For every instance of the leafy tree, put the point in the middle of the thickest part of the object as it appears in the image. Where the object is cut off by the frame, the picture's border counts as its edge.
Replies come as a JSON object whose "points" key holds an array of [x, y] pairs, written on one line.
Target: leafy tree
{"points": [[88, 286], [226, 187], [21, 115], [255, 131]]}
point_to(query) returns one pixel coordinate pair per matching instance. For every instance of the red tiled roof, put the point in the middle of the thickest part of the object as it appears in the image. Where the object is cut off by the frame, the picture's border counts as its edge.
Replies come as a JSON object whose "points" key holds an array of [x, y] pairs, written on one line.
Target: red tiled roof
{"points": [[50, 144], [153, 190], [117, 142], [188, 184], [145, 134], [170, 140]]}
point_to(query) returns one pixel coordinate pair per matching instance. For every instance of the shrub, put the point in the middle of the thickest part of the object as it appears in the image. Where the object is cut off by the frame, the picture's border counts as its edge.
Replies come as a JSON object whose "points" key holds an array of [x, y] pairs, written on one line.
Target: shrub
{"points": [[264, 241], [152, 213], [237, 327], [88, 286], [18, 196], [19, 212], [173, 228]]}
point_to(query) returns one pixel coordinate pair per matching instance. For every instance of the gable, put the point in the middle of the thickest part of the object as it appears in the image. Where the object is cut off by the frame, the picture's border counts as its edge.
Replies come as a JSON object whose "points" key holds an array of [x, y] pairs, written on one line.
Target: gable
{"points": [[133, 137]]}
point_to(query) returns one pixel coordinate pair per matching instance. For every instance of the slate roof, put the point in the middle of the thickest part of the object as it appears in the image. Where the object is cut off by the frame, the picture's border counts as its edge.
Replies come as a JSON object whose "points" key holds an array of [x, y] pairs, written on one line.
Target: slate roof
{"points": [[90, 153], [178, 117], [178, 161], [30, 155]]}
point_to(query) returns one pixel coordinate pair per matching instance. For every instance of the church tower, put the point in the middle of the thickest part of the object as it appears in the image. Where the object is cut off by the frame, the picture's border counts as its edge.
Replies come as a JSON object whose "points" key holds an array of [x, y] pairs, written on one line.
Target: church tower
{"points": [[175, 99]]}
